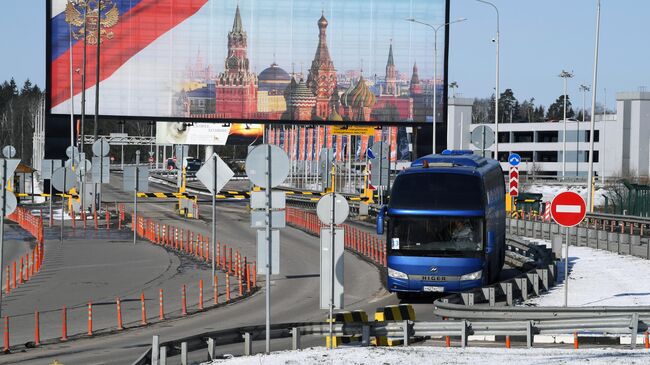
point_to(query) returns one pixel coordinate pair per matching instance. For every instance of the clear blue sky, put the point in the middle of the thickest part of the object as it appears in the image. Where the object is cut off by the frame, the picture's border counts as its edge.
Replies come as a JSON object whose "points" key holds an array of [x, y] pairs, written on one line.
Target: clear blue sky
{"points": [[538, 40]]}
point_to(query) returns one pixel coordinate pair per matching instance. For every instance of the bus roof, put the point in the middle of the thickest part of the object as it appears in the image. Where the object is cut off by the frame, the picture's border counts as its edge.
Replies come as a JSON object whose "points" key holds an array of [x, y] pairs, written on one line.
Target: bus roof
{"points": [[453, 158]]}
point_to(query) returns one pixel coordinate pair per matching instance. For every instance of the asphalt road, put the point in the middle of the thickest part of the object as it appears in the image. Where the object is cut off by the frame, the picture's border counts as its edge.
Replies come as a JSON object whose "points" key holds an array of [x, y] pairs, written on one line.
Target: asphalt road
{"points": [[294, 293]]}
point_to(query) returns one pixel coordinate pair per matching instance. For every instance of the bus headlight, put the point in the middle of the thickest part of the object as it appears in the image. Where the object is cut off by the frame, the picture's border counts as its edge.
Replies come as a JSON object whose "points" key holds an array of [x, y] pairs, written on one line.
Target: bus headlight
{"points": [[472, 276], [397, 274]]}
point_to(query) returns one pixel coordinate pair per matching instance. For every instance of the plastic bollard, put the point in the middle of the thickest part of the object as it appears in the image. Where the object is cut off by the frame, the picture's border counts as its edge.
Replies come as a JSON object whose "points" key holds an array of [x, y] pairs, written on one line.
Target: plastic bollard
{"points": [[183, 301], [248, 278], [200, 294], [575, 340], [254, 274], [161, 306], [13, 282], [143, 310], [37, 329], [227, 287], [241, 287], [507, 341], [6, 336], [64, 324], [8, 286], [108, 219], [118, 305], [215, 290], [20, 277], [90, 318]]}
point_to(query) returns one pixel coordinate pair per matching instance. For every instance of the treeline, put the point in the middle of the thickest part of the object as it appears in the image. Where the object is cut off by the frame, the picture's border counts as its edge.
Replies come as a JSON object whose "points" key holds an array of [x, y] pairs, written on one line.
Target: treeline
{"points": [[18, 111], [513, 111]]}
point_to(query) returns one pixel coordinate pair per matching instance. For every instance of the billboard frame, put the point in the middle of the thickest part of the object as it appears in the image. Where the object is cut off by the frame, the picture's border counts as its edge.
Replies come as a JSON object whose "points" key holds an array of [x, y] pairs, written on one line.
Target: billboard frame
{"points": [[105, 117]]}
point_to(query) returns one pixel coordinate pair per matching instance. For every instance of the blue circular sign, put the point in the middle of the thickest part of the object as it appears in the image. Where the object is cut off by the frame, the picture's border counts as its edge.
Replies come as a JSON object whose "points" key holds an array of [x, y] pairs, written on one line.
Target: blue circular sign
{"points": [[514, 159]]}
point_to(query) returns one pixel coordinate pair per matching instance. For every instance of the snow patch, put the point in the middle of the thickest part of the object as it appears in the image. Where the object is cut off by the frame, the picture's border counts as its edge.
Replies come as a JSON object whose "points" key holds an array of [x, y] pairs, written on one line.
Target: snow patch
{"points": [[550, 191]]}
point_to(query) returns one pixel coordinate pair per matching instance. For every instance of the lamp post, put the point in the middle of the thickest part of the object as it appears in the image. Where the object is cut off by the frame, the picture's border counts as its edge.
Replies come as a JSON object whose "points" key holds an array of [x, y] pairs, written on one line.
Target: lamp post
{"points": [[435, 71], [496, 93], [564, 75], [590, 175], [584, 89]]}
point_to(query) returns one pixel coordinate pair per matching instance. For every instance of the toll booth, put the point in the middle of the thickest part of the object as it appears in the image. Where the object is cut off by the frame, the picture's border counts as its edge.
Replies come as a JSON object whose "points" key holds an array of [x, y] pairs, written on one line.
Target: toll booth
{"points": [[528, 203]]}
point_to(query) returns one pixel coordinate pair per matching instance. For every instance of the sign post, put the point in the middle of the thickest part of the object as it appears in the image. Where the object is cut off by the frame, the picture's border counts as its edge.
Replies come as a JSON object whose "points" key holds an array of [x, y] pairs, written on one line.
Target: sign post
{"points": [[332, 210], [136, 178], [47, 168], [64, 179], [268, 166], [568, 210], [209, 177]]}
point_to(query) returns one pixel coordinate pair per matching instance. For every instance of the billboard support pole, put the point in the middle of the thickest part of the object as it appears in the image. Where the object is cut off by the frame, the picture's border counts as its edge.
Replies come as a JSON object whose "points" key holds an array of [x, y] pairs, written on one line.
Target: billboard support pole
{"points": [[135, 196], [99, 39], [269, 231], [71, 91], [214, 216], [83, 82]]}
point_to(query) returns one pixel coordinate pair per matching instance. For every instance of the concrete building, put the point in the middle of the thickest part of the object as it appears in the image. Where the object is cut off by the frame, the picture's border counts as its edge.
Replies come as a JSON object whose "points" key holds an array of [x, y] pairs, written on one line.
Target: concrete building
{"points": [[621, 140]]}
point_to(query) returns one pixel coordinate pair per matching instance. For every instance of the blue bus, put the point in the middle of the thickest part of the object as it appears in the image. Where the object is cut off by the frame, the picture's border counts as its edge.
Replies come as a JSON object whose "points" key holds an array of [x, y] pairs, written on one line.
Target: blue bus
{"points": [[446, 224]]}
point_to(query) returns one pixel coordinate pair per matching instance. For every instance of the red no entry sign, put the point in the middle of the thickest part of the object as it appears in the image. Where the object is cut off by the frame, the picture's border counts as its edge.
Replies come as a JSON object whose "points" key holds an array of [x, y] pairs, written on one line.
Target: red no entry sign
{"points": [[568, 209]]}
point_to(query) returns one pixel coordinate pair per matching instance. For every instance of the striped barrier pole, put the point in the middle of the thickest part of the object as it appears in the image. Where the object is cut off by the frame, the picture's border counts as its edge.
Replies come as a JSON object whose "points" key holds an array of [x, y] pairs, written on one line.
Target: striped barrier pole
{"points": [[95, 219], [230, 260], [90, 318], [646, 341], [20, 278], [8, 286], [31, 263], [108, 219], [27, 266], [575, 340], [507, 341], [64, 324], [200, 294], [183, 301], [6, 336], [37, 329], [254, 274], [161, 308], [143, 310], [74, 219], [241, 287], [84, 218], [118, 305]]}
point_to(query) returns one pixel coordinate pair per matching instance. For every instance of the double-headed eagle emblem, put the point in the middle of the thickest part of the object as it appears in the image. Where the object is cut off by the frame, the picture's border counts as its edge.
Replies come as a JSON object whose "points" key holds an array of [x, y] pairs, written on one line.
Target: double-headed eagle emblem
{"points": [[83, 16]]}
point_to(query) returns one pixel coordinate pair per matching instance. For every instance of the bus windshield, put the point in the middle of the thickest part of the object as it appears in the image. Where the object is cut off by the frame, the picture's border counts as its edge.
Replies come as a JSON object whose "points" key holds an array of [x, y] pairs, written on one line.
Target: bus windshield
{"points": [[437, 191], [435, 236]]}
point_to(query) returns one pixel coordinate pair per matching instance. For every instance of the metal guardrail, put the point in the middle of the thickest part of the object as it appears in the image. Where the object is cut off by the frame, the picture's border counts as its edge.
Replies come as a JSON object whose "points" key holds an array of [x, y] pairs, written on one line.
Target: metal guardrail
{"points": [[408, 331]]}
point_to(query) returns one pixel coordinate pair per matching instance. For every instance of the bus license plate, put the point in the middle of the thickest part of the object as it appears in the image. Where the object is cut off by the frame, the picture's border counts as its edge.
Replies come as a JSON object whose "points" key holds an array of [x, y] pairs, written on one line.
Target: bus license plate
{"points": [[433, 289]]}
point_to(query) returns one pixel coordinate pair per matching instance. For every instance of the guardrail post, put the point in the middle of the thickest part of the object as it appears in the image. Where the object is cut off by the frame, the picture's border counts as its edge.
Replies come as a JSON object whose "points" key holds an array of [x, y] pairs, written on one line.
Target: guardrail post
{"points": [[507, 289], [365, 335], [163, 355], [634, 329], [405, 332], [522, 283], [468, 298], [295, 338], [529, 334], [463, 334], [183, 353], [534, 279], [543, 274], [489, 293], [155, 348], [248, 345], [211, 348]]}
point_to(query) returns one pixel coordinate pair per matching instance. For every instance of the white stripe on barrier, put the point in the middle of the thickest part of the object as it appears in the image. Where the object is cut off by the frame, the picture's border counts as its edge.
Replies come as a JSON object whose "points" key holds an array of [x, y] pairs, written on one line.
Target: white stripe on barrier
{"points": [[567, 208]]}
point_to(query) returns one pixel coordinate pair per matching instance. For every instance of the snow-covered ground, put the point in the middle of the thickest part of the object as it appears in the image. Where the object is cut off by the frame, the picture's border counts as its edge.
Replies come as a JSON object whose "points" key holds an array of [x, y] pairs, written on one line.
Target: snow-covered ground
{"points": [[441, 356], [598, 277], [549, 191]]}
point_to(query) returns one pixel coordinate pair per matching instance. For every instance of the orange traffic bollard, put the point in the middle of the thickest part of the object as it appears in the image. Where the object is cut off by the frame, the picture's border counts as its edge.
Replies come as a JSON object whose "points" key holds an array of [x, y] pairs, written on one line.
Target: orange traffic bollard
{"points": [[8, 286], [118, 305], [575, 340], [6, 337], [215, 290], [248, 278], [108, 219], [241, 287], [37, 329], [13, 283], [254, 273], [27, 266], [20, 277], [183, 301], [161, 307], [507, 342], [64, 324], [90, 318], [200, 294], [143, 310], [227, 287], [646, 342], [447, 341]]}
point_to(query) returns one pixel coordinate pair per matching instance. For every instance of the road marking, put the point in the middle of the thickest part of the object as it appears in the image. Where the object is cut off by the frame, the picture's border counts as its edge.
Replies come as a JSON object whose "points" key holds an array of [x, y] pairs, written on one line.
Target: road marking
{"points": [[568, 208]]}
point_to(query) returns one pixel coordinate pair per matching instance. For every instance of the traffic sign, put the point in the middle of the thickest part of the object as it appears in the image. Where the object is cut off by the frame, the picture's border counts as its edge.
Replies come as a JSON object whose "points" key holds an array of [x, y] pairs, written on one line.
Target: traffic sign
{"points": [[72, 152], [64, 179], [101, 147], [568, 209], [257, 165], [48, 167], [209, 175], [482, 137], [332, 209], [10, 204], [514, 159], [136, 178], [101, 170], [9, 151], [513, 184]]}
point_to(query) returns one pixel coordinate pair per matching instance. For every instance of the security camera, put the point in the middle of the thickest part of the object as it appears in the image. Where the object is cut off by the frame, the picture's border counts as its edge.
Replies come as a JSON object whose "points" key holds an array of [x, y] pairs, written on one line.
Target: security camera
{"points": [[493, 40]]}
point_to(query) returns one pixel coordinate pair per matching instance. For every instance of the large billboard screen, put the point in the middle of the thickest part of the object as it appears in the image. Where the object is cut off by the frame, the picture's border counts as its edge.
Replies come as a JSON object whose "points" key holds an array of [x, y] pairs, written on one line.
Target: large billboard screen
{"points": [[248, 60]]}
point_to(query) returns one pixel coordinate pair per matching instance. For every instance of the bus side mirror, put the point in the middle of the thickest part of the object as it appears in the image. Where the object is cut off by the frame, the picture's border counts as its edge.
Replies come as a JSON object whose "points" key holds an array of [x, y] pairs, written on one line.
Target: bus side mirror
{"points": [[380, 220], [490, 242]]}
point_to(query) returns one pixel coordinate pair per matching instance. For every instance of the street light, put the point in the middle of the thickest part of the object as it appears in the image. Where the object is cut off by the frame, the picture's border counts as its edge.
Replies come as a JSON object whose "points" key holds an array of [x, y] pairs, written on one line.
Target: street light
{"points": [[435, 70], [590, 177], [564, 75], [584, 89], [496, 95]]}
